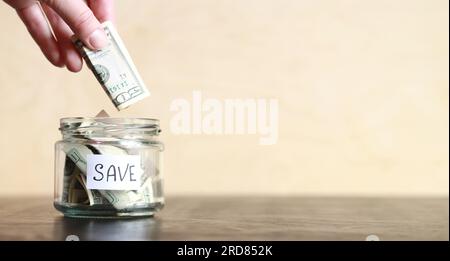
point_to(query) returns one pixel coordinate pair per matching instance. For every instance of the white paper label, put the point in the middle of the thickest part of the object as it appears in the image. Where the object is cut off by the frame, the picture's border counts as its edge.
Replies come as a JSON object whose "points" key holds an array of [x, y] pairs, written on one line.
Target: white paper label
{"points": [[113, 172]]}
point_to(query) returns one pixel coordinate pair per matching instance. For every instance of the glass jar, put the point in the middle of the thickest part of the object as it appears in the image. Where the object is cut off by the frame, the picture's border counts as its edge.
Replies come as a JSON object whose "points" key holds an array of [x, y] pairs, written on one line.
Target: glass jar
{"points": [[108, 167]]}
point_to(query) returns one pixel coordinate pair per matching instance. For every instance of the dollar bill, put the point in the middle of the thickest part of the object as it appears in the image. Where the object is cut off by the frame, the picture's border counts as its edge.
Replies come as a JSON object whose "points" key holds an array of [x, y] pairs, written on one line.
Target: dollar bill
{"points": [[69, 167], [77, 192], [114, 69]]}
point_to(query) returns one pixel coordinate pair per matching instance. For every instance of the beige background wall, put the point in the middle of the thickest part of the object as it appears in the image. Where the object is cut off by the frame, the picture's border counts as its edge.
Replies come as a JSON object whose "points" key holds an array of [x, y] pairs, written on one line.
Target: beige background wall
{"points": [[362, 87]]}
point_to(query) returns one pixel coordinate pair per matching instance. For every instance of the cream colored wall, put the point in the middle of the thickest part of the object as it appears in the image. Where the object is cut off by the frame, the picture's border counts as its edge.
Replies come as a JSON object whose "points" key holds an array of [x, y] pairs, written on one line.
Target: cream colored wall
{"points": [[362, 87]]}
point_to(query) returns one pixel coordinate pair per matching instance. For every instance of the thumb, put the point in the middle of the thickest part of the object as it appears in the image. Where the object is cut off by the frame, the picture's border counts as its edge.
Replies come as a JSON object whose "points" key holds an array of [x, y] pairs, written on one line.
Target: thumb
{"points": [[81, 20]]}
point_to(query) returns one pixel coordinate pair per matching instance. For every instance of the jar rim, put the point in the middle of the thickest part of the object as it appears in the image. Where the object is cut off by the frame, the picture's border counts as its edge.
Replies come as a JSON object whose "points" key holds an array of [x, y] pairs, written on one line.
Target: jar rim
{"points": [[80, 125], [117, 120]]}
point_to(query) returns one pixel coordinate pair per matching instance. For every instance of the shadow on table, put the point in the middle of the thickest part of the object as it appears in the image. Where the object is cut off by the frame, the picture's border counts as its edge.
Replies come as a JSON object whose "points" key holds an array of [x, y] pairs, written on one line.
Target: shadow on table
{"points": [[106, 229]]}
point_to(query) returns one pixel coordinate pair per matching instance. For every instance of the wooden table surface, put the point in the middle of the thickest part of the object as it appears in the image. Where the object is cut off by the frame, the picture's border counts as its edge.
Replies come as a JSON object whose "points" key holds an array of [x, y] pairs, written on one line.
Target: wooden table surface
{"points": [[240, 218]]}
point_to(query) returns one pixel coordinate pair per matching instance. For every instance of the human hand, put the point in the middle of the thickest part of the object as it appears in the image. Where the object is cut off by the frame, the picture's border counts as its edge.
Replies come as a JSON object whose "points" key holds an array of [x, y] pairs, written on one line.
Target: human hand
{"points": [[66, 18]]}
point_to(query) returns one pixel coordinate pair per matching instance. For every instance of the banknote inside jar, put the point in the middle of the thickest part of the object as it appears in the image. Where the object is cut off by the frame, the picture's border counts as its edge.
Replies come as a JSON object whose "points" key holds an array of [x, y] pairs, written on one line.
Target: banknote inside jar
{"points": [[114, 137]]}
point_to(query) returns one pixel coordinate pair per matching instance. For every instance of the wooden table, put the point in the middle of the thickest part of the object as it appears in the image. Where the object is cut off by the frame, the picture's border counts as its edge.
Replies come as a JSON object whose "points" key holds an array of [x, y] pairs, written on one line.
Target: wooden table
{"points": [[240, 218]]}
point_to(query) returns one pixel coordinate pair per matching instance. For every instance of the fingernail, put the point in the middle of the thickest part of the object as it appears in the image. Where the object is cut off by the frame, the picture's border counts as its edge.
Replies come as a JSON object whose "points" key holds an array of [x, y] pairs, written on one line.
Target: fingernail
{"points": [[98, 39]]}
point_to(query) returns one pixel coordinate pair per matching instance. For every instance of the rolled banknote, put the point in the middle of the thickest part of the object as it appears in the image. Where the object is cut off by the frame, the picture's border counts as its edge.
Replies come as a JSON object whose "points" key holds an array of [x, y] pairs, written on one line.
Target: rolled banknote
{"points": [[114, 69], [69, 168]]}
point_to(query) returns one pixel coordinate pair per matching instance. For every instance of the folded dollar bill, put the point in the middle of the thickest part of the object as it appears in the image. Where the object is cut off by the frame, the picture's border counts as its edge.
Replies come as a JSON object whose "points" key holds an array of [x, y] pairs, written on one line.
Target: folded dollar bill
{"points": [[114, 69]]}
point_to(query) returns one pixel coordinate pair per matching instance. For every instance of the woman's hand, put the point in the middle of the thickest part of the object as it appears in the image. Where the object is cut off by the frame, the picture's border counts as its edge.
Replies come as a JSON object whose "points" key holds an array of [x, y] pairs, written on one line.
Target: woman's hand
{"points": [[66, 17]]}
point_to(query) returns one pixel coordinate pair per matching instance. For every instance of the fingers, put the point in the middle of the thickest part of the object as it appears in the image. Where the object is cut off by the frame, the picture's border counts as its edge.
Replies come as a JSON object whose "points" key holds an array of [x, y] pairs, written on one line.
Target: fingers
{"points": [[63, 33], [33, 18], [66, 17], [80, 18], [103, 9]]}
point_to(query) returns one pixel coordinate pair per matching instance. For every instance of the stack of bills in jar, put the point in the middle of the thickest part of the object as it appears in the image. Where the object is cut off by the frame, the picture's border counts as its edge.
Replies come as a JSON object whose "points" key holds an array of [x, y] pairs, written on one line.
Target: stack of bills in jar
{"points": [[76, 189]]}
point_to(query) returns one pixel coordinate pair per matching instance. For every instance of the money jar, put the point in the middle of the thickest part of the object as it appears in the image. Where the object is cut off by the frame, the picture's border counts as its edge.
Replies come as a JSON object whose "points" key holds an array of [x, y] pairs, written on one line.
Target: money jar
{"points": [[108, 167]]}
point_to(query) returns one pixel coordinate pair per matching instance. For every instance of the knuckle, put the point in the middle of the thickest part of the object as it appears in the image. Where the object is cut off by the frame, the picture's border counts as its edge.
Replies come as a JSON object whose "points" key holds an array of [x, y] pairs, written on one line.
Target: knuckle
{"points": [[53, 3], [80, 21], [83, 19]]}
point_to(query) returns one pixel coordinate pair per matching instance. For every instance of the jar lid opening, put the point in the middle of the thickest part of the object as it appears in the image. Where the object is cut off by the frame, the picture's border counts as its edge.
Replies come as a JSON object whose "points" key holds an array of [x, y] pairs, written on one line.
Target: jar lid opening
{"points": [[81, 125]]}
